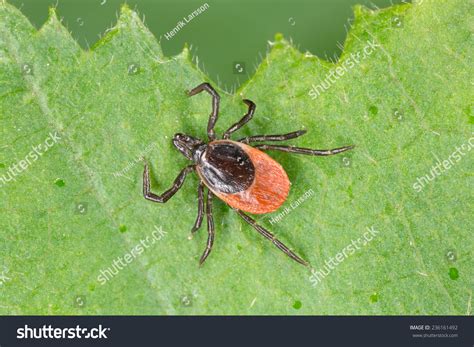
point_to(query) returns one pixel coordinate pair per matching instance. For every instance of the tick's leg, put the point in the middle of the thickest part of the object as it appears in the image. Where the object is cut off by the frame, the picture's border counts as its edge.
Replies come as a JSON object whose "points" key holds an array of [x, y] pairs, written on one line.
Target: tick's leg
{"points": [[210, 228], [178, 182], [247, 117], [268, 235], [308, 151], [200, 215], [283, 137], [215, 107]]}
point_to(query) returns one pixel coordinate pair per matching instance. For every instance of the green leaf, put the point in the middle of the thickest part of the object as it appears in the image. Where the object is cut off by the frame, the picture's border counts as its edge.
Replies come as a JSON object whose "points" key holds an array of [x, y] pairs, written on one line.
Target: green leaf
{"points": [[70, 213]]}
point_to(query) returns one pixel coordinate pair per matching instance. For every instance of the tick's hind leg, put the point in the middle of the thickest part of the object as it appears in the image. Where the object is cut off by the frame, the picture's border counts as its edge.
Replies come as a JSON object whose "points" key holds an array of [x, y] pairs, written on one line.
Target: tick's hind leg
{"points": [[177, 184], [245, 119], [215, 107], [268, 235], [210, 228], [307, 151], [283, 137], [200, 215]]}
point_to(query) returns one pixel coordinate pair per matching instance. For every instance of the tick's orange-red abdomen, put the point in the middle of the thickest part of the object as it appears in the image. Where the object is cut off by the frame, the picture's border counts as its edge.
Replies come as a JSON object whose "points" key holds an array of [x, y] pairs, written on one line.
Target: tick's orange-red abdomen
{"points": [[269, 189]]}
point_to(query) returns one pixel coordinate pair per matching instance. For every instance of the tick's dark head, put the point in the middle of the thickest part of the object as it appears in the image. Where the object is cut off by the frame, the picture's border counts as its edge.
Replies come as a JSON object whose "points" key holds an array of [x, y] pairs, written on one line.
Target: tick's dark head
{"points": [[188, 145]]}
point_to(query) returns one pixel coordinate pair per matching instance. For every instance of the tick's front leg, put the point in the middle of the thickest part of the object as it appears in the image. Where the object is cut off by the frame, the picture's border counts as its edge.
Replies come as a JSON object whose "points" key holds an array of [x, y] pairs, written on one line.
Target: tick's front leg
{"points": [[283, 137], [245, 119], [215, 107], [177, 184]]}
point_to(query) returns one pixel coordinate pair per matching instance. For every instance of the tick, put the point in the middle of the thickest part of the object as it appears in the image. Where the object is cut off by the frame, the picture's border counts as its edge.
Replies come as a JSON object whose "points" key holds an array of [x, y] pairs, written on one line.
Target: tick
{"points": [[241, 175]]}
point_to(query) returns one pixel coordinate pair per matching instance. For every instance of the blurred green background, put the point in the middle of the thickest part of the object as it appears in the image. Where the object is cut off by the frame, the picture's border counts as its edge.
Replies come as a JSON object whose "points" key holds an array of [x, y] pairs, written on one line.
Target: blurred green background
{"points": [[230, 38]]}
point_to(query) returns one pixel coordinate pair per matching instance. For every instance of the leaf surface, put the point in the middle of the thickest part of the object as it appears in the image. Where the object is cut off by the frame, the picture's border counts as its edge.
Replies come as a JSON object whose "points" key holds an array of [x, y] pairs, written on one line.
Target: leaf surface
{"points": [[77, 209]]}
